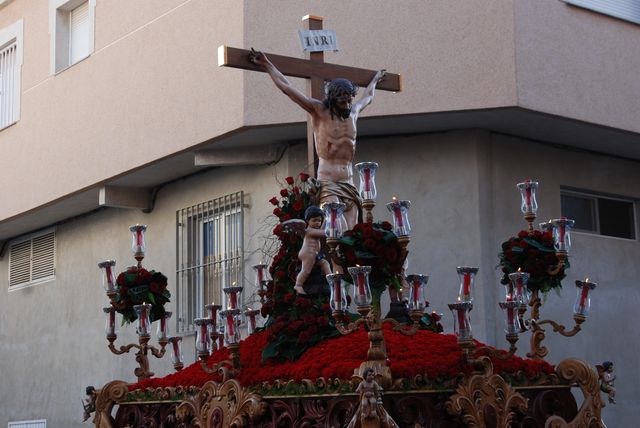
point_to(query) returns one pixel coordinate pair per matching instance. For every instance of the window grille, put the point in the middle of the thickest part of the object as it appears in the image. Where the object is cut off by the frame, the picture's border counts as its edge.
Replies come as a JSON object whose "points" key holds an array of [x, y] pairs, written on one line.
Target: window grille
{"points": [[32, 260], [8, 84], [209, 256]]}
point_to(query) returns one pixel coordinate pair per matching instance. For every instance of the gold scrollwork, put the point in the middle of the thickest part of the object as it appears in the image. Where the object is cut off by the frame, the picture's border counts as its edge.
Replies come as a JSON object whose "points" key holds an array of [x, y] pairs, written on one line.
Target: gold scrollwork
{"points": [[576, 371], [106, 398], [483, 396], [235, 406]]}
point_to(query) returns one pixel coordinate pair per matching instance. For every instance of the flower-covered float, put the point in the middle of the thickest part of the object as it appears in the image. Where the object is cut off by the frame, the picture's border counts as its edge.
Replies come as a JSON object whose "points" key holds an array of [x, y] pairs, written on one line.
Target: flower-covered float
{"points": [[309, 362]]}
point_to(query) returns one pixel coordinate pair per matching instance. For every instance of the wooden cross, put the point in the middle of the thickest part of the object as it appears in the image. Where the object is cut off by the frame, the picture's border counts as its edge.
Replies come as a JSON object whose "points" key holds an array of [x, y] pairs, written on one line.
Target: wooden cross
{"points": [[312, 68]]}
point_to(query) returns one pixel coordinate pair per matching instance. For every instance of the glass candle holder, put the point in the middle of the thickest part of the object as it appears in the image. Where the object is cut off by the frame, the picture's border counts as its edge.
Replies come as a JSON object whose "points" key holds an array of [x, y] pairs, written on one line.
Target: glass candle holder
{"points": [[143, 326], [461, 324], [417, 284], [546, 226], [203, 342], [138, 246], [232, 296], [110, 327], [512, 324], [338, 298], [400, 214], [517, 288], [528, 188], [212, 314], [583, 298], [362, 291], [261, 274], [108, 276], [176, 351], [162, 332], [335, 223], [220, 335], [562, 234], [367, 173], [231, 331], [250, 316], [467, 281]]}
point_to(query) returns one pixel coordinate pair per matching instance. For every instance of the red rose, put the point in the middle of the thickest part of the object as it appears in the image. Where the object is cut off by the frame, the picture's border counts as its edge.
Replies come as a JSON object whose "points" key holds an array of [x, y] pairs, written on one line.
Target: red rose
{"points": [[522, 244], [274, 200], [280, 274], [153, 287], [386, 225], [298, 206], [284, 192], [304, 177], [123, 291], [296, 190], [277, 211], [289, 180], [120, 279], [286, 217], [523, 234], [289, 297], [370, 244]]}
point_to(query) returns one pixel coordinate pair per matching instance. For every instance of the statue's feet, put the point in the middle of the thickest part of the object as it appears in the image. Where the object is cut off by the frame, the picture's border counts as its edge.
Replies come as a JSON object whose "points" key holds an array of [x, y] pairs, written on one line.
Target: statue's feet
{"points": [[299, 289]]}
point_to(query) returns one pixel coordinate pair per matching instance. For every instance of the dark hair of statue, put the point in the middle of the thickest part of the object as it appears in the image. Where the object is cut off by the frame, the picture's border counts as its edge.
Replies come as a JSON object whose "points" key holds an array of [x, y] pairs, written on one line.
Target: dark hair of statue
{"points": [[333, 90], [313, 211]]}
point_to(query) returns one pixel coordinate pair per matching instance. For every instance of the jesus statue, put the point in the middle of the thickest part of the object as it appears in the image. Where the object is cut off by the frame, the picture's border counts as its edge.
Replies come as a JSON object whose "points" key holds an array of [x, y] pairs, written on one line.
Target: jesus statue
{"points": [[334, 128]]}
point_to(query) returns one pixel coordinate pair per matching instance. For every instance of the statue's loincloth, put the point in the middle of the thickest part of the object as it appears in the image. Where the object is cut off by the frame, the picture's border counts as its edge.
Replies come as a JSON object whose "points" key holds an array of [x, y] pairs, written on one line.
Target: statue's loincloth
{"points": [[345, 192]]}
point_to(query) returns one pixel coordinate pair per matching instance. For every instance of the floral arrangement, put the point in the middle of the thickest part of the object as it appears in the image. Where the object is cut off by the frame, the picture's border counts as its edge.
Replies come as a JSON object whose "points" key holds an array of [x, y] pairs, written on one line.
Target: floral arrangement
{"points": [[294, 323], [532, 253], [436, 357], [377, 246], [137, 286]]}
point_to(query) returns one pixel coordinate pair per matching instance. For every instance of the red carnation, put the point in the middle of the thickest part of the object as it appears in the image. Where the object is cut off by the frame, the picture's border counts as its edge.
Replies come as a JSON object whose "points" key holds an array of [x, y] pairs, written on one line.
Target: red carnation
{"points": [[274, 200], [284, 192], [304, 177], [289, 180], [304, 337]]}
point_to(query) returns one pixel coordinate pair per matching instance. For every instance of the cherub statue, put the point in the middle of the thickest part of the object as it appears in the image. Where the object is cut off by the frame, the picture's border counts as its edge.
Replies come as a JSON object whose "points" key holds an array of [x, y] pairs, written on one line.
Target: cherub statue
{"points": [[605, 373], [370, 394], [89, 404], [311, 253]]}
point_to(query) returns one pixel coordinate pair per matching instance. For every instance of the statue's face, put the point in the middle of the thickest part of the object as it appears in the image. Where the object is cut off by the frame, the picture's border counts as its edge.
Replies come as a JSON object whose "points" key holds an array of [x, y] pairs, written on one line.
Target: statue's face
{"points": [[343, 100], [370, 376]]}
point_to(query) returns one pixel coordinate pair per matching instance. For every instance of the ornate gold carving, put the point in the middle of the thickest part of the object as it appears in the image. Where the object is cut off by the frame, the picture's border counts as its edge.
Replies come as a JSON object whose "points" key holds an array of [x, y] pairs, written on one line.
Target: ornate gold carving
{"points": [[486, 400], [575, 371], [226, 404], [107, 397]]}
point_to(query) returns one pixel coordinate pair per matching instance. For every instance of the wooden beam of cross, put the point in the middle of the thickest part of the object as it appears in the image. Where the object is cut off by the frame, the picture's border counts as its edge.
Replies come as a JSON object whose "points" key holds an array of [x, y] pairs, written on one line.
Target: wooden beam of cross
{"points": [[315, 70]]}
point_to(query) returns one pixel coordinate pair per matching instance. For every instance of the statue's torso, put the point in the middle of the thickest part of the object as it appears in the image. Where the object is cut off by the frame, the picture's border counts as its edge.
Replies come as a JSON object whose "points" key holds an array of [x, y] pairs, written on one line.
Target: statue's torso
{"points": [[335, 145]]}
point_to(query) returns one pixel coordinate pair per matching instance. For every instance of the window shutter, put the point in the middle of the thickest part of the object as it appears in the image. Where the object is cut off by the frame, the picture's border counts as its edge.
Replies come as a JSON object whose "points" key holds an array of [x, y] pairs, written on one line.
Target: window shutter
{"points": [[7, 84], [20, 263], [43, 258], [628, 10], [32, 260], [79, 33]]}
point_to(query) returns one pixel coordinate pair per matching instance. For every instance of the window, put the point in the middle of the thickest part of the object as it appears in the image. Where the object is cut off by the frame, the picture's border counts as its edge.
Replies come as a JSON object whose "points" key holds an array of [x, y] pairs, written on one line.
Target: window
{"points": [[42, 423], [210, 255], [604, 215], [72, 36], [628, 10], [10, 67], [32, 260]]}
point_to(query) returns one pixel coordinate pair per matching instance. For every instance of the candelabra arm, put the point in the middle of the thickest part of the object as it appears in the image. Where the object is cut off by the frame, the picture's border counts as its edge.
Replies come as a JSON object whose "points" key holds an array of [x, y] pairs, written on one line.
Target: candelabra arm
{"points": [[158, 353], [538, 352], [224, 368], [561, 329], [407, 330], [123, 349], [351, 327]]}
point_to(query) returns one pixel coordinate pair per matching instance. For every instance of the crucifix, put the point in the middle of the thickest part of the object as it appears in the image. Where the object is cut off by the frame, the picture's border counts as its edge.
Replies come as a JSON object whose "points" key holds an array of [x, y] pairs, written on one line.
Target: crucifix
{"points": [[331, 120]]}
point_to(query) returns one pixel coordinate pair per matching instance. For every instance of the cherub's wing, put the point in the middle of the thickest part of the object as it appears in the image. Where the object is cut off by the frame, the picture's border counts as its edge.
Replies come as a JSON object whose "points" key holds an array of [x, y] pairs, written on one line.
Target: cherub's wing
{"points": [[295, 225]]}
